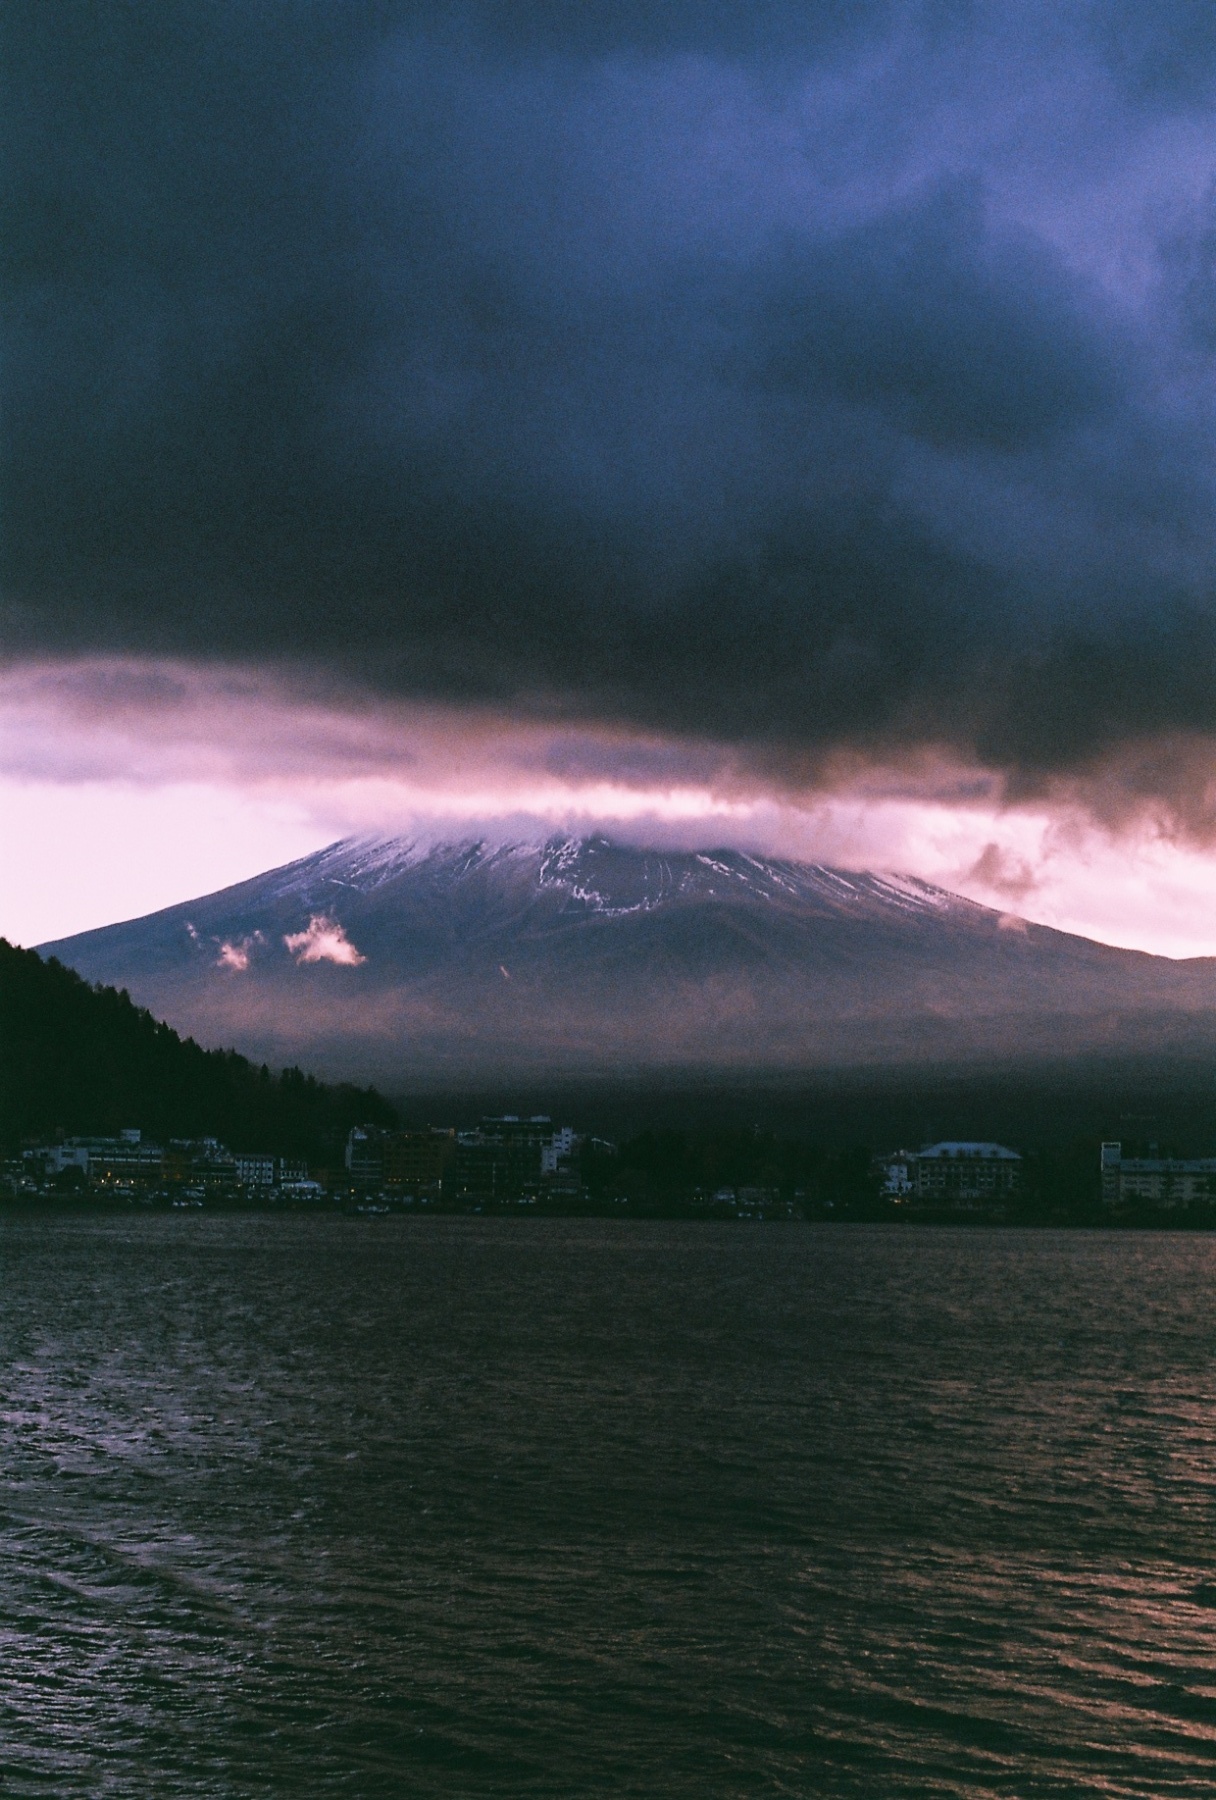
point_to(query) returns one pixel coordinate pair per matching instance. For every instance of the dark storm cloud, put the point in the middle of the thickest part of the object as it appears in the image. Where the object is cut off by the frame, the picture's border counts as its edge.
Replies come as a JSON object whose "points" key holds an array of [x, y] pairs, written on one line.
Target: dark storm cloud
{"points": [[913, 315], [803, 375]]}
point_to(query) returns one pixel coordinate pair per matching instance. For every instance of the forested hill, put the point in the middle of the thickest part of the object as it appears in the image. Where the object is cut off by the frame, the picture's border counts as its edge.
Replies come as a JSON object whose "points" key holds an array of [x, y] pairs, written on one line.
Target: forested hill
{"points": [[85, 1059]]}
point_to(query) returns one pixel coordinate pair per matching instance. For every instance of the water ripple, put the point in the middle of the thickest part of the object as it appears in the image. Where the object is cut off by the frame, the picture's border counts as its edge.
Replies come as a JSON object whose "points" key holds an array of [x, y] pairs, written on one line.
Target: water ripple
{"points": [[373, 1508]]}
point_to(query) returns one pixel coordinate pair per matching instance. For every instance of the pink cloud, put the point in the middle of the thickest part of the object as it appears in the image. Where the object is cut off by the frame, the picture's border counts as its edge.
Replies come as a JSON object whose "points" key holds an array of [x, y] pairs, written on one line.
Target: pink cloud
{"points": [[324, 941], [209, 775], [1003, 872], [236, 956]]}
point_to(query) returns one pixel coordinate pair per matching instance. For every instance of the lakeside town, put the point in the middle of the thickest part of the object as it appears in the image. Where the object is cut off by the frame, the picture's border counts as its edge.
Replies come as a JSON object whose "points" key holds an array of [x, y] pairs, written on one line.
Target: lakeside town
{"points": [[103, 1106], [509, 1163]]}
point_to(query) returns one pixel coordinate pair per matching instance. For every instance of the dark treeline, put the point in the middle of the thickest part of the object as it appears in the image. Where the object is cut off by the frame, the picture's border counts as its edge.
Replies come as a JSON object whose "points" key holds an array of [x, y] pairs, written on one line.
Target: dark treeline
{"points": [[1043, 1109], [666, 1166], [81, 1060], [673, 1171]]}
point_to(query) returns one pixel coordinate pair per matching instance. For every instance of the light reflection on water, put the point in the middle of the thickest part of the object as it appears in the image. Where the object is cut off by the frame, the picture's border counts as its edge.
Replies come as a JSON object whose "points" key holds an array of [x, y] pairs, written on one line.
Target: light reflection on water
{"points": [[321, 1506]]}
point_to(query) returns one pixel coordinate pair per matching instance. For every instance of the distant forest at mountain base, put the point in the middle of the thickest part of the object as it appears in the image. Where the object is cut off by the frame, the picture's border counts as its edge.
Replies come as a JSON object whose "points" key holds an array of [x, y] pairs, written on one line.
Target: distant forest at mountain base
{"points": [[80, 1060]]}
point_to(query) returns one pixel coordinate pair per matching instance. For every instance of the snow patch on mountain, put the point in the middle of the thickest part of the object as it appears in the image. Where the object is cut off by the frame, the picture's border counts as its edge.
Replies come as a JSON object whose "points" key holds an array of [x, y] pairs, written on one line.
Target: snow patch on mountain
{"points": [[609, 880]]}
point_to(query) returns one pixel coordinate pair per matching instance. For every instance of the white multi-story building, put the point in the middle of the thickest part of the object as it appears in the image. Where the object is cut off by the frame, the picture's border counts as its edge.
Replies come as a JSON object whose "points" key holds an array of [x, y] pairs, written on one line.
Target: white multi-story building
{"points": [[254, 1170], [558, 1149], [966, 1171], [126, 1157], [1161, 1180], [954, 1170], [897, 1170]]}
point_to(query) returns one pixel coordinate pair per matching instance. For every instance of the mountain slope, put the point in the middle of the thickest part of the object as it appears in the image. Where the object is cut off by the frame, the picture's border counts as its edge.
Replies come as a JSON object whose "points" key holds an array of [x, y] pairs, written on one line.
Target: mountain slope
{"points": [[408, 964]]}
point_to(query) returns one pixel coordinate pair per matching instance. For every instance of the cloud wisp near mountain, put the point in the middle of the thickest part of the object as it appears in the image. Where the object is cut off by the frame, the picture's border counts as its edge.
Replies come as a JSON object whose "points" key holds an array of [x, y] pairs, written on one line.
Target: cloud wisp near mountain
{"points": [[417, 966]]}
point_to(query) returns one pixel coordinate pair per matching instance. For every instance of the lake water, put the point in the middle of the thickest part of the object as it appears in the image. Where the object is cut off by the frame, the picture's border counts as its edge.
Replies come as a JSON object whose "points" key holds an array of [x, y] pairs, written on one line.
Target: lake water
{"points": [[458, 1507]]}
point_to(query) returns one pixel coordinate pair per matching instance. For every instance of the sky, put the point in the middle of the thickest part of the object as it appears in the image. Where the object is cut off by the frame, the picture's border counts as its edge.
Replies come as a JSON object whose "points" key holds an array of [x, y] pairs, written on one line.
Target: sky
{"points": [[781, 425]]}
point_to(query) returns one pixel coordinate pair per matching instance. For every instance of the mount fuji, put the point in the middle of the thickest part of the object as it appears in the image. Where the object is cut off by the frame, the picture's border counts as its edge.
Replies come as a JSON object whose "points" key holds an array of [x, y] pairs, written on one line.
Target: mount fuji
{"points": [[417, 966]]}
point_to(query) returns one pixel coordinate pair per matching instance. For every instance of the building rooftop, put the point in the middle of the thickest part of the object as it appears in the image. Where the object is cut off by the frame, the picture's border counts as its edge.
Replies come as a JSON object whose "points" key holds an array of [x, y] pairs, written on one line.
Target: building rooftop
{"points": [[986, 1152]]}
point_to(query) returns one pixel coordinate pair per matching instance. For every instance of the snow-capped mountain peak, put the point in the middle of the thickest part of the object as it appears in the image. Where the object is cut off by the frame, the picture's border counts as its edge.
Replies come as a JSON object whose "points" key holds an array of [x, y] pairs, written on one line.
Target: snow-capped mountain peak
{"points": [[409, 961]]}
